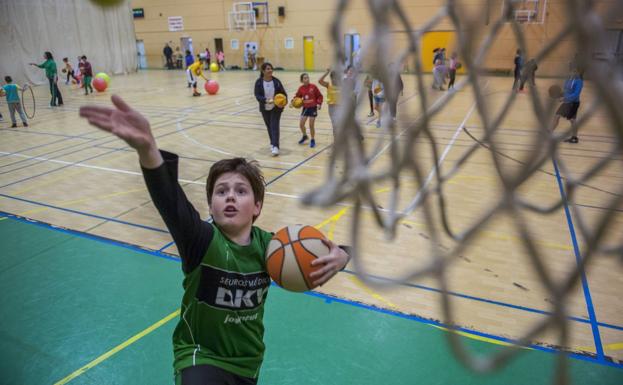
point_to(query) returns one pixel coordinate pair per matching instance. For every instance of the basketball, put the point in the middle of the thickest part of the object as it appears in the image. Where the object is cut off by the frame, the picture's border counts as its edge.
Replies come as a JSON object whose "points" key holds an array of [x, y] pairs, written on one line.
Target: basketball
{"points": [[280, 100], [214, 67], [99, 84], [103, 76], [297, 102], [459, 66], [290, 253], [377, 90], [555, 91], [64, 70], [211, 87]]}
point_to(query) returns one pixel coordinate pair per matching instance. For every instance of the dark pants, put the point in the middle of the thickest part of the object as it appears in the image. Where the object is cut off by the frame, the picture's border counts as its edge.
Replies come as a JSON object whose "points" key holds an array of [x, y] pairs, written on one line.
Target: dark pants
{"points": [[57, 98], [211, 375], [452, 74], [517, 78], [70, 74], [169, 62], [371, 98], [271, 120]]}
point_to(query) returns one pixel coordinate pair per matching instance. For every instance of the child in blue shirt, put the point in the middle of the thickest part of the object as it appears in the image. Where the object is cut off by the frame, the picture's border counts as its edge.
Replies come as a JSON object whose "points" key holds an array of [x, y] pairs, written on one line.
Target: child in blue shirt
{"points": [[12, 99], [570, 104]]}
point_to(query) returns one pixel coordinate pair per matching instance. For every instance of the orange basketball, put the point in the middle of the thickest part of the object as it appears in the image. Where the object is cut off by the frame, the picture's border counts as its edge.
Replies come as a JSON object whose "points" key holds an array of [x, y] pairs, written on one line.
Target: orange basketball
{"points": [[297, 102], [290, 254], [280, 100]]}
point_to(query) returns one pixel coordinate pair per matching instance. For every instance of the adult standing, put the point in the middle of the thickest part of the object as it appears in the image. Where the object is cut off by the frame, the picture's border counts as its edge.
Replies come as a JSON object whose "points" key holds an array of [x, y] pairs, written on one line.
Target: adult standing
{"points": [[266, 87], [208, 58], [168, 54], [52, 74], [518, 66]]}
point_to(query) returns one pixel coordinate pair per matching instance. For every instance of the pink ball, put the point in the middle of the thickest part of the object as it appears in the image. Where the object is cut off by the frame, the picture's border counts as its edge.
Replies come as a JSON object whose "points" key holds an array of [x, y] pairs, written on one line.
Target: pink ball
{"points": [[211, 87], [99, 84]]}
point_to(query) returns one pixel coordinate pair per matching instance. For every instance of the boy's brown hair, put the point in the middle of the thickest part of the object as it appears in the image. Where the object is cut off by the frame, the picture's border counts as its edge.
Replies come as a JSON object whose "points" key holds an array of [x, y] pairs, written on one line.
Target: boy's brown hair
{"points": [[248, 169]]}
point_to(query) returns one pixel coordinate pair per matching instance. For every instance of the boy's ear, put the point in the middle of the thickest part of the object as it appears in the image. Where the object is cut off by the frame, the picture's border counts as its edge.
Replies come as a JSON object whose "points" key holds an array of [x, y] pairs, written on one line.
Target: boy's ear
{"points": [[257, 209]]}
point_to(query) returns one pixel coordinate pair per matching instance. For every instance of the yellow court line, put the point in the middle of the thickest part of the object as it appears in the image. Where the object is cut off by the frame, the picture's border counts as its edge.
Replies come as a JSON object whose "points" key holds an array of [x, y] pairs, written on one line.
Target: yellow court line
{"points": [[118, 348], [373, 293], [610, 347], [477, 337]]}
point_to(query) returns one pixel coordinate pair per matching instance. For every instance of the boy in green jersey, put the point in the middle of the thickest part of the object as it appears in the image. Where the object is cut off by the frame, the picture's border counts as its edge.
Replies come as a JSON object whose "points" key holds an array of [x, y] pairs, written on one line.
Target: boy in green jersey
{"points": [[219, 337]]}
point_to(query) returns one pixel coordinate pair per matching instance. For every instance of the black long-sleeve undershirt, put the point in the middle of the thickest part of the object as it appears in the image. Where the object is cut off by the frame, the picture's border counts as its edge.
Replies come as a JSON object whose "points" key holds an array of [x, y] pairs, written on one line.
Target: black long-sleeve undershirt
{"points": [[190, 233]]}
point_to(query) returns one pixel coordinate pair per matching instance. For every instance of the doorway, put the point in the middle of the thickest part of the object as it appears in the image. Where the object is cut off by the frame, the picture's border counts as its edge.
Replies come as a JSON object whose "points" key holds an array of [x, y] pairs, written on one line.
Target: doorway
{"points": [[187, 44], [308, 53], [218, 44], [140, 51], [352, 45]]}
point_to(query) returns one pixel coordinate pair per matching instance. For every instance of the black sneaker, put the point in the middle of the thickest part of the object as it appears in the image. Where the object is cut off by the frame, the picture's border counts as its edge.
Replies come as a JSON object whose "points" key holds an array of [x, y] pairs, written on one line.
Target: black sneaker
{"points": [[303, 139], [573, 139], [14, 125], [25, 124]]}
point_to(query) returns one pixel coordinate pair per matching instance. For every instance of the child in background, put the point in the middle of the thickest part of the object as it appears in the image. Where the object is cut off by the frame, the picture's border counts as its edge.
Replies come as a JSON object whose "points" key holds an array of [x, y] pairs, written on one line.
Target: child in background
{"points": [[220, 57], [570, 104], [312, 101], [87, 75], [368, 84], [379, 99], [528, 74], [189, 60], [12, 99], [192, 72], [452, 70], [440, 72], [69, 70], [333, 95]]}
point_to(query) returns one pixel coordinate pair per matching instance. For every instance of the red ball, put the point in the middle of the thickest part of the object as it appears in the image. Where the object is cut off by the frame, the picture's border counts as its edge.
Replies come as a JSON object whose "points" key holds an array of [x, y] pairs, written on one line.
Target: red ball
{"points": [[211, 87], [99, 84]]}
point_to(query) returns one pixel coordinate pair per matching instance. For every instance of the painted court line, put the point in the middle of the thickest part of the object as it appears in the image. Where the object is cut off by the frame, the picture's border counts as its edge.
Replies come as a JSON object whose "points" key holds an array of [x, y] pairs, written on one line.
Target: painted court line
{"points": [[326, 297], [578, 257], [118, 348]]}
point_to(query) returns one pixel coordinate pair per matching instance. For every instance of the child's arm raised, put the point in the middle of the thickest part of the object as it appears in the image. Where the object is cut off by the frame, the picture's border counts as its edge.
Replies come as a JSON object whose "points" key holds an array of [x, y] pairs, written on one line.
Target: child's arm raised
{"points": [[191, 235], [323, 82]]}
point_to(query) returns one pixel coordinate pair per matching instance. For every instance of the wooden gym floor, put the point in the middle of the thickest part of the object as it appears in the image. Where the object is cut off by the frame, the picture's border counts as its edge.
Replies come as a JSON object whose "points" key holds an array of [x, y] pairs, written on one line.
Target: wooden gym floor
{"points": [[62, 172]]}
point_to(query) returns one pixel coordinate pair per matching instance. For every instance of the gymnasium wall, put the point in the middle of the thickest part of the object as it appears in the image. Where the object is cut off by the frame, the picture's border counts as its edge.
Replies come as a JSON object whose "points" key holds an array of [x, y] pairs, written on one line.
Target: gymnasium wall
{"points": [[205, 20], [66, 28]]}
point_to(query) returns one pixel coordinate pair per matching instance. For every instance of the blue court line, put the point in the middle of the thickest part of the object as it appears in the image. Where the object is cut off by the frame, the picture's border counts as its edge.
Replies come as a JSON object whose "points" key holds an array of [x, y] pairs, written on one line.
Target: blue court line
{"points": [[57, 169], [110, 139], [85, 214], [166, 246], [578, 258], [299, 164], [327, 298], [416, 286], [478, 299], [47, 133]]}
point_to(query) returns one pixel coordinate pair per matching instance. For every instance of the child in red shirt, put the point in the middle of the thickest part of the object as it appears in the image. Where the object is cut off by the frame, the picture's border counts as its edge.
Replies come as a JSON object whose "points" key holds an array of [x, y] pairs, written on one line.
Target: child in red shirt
{"points": [[312, 101]]}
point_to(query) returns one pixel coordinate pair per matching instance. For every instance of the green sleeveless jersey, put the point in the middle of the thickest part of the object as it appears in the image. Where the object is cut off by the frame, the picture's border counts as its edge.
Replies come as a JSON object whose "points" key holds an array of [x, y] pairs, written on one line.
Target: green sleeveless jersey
{"points": [[221, 321]]}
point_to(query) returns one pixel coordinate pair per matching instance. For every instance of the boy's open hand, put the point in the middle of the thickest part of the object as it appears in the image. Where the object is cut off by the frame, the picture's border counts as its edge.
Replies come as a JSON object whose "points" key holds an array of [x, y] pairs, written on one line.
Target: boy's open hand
{"points": [[127, 124], [335, 261]]}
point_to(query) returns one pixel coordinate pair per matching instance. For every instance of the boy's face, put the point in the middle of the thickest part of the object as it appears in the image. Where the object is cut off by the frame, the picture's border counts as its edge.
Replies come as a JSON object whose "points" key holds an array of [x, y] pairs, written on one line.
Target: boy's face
{"points": [[233, 202]]}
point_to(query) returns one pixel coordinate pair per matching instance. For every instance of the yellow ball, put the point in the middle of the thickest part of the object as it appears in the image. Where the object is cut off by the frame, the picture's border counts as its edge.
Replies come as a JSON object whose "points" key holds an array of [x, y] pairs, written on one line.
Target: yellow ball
{"points": [[214, 67], [280, 100], [297, 102], [107, 3]]}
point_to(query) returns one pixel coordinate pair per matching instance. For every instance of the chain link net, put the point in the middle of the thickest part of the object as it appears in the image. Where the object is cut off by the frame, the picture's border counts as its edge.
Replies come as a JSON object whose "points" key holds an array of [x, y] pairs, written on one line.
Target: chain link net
{"points": [[361, 172]]}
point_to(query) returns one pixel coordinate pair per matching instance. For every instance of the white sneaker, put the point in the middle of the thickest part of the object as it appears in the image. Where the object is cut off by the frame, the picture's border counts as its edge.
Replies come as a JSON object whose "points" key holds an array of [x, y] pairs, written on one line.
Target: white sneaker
{"points": [[275, 151]]}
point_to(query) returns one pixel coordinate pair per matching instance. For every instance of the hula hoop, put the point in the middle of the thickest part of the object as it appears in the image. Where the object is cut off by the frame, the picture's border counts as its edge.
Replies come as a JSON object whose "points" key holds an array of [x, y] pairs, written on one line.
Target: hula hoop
{"points": [[27, 92]]}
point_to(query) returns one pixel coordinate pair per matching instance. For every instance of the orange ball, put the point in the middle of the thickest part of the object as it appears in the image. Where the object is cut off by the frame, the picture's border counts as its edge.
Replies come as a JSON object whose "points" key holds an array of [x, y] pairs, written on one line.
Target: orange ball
{"points": [[290, 254]]}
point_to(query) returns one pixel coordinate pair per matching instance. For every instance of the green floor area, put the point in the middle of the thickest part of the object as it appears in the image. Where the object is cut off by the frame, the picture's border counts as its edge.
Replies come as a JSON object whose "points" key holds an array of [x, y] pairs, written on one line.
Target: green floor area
{"points": [[68, 299]]}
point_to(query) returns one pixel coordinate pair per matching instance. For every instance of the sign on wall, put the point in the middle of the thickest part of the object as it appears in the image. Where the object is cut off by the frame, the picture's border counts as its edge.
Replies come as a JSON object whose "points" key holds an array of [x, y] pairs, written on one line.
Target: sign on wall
{"points": [[138, 13], [289, 43], [176, 23], [234, 44]]}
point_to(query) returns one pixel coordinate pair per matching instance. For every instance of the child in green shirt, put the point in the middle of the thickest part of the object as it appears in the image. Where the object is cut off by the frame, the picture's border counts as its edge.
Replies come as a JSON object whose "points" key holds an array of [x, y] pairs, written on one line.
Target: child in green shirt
{"points": [[219, 337], [12, 98]]}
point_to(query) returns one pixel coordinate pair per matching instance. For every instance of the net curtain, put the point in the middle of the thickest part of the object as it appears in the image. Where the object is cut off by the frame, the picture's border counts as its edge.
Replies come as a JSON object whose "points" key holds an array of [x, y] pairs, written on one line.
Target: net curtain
{"points": [[67, 28]]}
